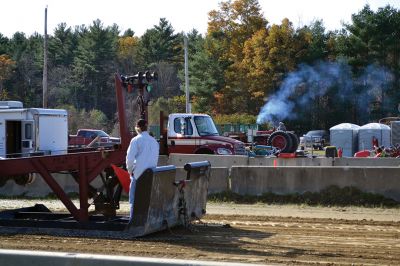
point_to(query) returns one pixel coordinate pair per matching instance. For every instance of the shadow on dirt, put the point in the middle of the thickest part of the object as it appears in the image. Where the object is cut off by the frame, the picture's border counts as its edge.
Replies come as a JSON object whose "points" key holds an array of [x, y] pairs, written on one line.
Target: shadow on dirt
{"points": [[223, 239]]}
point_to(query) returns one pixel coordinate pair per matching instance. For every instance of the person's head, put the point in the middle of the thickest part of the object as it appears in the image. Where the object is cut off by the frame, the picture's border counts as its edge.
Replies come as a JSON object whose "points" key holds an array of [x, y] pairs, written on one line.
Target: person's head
{"points": [[281, 123], [141, 125]]}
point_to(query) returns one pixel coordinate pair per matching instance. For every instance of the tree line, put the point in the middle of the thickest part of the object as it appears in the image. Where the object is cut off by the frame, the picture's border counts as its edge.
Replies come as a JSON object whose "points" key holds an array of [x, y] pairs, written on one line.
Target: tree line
{"points": [[243, 68]]}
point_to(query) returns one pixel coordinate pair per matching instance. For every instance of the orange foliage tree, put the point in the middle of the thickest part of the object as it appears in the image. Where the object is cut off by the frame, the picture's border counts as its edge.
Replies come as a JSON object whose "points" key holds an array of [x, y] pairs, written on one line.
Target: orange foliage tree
{"points": [[6, 67]]}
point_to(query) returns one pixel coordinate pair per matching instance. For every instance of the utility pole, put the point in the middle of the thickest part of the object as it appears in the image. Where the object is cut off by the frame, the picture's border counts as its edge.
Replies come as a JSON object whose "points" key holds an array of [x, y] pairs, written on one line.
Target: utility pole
{"points": [[185, 41], [45, 61]]}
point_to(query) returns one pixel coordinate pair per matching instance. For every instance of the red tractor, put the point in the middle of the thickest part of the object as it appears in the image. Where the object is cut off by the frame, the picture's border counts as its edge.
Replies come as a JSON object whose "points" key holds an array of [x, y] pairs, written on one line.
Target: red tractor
{"points": [[285, 141]]}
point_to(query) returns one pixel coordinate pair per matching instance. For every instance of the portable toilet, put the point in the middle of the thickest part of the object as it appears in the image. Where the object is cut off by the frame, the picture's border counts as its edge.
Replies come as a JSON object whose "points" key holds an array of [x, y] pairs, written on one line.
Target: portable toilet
{"points": [[395, 126], [368, 131], [345, 136]]}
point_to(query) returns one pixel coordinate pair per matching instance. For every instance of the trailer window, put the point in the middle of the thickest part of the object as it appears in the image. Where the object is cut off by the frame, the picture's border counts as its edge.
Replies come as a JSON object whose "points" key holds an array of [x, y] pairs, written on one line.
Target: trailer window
{"points": [[28, 131]]}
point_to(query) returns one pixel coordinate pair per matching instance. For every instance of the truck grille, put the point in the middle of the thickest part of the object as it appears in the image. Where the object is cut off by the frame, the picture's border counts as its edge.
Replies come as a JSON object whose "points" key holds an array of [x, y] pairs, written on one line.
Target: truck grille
{"points": [[240, 149]]}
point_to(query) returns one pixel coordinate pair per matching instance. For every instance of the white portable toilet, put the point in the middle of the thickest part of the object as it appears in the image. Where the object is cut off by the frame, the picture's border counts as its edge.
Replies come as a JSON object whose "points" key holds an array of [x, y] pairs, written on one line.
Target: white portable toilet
{"points": [[366, 132], [395, 126], [345, 136]]}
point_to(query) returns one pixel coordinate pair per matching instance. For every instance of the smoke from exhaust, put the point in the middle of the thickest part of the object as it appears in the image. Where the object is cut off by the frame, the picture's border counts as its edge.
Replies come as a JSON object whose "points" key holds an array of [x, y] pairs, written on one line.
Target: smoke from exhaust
{"points": [[308, 83]]}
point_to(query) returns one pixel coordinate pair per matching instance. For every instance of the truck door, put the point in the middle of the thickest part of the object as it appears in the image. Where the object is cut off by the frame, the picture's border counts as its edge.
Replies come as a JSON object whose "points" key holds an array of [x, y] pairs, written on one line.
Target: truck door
{"points": [[183, 141], [27, 137]]}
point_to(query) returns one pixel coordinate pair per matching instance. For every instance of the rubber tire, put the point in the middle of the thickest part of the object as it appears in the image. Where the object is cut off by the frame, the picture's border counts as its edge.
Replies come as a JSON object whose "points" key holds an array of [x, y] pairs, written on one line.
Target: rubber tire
{"points": [[282, 138], [295, 141]]}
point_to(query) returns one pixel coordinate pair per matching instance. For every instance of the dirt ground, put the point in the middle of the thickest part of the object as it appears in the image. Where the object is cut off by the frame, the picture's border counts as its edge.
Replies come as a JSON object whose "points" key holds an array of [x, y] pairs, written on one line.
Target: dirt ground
{"points": [[262, 234]]}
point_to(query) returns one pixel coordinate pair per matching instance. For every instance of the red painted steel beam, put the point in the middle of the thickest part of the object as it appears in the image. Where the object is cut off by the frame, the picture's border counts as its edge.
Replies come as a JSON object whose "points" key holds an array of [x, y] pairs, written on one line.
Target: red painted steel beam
{"points": [[123, 128], [39, 166], [83, 190], [88, 164], [57, 163]]}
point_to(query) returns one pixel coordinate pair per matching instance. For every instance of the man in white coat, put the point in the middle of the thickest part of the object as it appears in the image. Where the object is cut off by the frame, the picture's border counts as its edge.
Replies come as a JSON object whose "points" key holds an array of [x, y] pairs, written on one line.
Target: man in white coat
{"points": [[142, 154]]}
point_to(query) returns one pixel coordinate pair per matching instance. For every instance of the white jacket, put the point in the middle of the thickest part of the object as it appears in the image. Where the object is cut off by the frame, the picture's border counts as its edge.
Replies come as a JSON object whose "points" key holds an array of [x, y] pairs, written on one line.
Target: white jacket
{"points": [[142, 154]]}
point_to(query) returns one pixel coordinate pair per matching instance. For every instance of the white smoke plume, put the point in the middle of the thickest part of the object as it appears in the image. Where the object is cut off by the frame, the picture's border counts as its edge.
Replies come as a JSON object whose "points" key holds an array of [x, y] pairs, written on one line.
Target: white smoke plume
{"points": [[301, 87]]}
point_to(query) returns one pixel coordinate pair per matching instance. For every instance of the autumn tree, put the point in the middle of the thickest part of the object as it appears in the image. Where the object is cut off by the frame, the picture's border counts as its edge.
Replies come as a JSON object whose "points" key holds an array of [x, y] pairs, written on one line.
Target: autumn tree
{"points": [[127, 52], [6, 67], [254, 65], [228, 30]]}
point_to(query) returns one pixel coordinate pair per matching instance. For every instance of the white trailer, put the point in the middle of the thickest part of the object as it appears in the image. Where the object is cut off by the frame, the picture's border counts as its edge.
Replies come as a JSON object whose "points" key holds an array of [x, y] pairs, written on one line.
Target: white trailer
{"points": [[30, 131]]}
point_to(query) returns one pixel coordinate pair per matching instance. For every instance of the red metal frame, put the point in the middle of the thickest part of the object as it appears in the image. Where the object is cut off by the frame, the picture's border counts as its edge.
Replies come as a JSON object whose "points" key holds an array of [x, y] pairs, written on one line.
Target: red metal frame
{"points": [[88, 164], [123, 127]]}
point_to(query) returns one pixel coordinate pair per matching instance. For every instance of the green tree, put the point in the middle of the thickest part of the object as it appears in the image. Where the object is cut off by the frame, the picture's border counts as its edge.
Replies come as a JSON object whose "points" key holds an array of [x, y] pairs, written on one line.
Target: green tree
{"points": [[160, 49], [167, 106], [4, 44], [161, 44], [204, 72], [27, 78], [312, 43], [77, 119], [94, 66], [373, 38], [62, 46]]}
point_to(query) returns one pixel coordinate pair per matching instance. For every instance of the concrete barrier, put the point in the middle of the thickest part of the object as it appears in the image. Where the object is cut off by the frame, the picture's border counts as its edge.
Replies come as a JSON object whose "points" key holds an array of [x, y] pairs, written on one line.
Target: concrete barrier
{"points": [[40, 258], [239, 160], [265, 161], [215, 160], [219, 178], [378, 162], [162, 160], [253, 180], [220, 171]]}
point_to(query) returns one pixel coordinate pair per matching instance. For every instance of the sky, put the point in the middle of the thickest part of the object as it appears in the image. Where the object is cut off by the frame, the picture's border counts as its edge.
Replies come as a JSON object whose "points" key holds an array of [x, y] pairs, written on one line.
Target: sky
{"points": [[184, 15]]}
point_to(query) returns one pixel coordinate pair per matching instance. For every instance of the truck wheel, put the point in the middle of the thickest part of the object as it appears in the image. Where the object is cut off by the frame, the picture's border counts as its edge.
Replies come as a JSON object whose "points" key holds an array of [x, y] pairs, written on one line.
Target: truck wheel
{"points": [[295, 141], [280, 140]]}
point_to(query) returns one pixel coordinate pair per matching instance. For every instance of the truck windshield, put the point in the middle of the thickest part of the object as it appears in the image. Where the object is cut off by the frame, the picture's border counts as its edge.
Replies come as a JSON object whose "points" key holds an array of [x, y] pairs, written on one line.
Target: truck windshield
{"points": [[205, 126]]}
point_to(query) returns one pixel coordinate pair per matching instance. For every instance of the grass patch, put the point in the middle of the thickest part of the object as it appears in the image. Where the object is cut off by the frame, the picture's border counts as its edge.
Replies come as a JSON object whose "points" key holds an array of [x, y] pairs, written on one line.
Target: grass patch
{"points": [[330, 196]]}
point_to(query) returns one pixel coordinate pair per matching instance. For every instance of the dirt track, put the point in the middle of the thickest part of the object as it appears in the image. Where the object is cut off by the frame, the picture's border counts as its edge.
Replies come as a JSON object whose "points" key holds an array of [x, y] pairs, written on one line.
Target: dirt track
{"points": [[261, 238]]}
